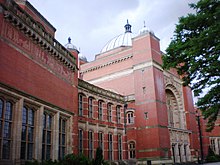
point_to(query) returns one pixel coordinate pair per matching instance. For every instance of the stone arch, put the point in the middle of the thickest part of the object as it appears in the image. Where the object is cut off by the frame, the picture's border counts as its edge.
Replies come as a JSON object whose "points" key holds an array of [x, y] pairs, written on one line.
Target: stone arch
{"points": [[175, 108]]}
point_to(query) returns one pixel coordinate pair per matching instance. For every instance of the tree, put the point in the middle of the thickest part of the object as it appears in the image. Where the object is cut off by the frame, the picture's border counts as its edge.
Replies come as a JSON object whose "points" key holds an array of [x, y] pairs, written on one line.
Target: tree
{"points": [[195, 53], [99, 156]]}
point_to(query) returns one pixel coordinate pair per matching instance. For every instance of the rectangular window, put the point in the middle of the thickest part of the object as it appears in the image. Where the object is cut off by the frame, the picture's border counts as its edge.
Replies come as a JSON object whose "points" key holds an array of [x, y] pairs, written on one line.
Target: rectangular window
{"points": [[119, 147], [110, 146], [80, 141], [90, 107], [62, 138], [100, 140], [109, 112], [47, 136], [80, 105], [6, 109], [118, 114], [27, 134], [90, 143], [100, 110]]}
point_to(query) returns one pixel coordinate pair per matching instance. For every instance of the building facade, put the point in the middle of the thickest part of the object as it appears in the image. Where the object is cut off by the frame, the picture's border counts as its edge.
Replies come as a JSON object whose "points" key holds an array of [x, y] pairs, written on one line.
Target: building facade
{"points": [[54, 103]]}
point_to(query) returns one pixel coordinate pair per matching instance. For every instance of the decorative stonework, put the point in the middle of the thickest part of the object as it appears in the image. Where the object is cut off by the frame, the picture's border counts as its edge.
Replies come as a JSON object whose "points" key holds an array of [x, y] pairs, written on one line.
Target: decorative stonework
{"points": [[28, 26], [100, 91]]}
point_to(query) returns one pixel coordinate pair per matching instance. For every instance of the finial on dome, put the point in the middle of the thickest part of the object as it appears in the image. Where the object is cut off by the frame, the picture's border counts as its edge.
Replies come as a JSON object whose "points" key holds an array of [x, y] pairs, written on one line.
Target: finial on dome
{"points": [[127, 27], [69, 40]]}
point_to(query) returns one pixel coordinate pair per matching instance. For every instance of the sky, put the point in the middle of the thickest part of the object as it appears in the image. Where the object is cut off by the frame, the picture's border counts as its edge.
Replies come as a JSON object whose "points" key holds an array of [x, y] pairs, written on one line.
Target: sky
{"points": [[92, 23]]}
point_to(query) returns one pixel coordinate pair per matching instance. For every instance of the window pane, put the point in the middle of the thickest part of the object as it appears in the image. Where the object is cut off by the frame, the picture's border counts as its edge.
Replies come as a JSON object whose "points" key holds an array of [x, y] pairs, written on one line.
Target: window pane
{"points": [[48, 153], [31, 117], [30, 134], [48, 137], [30, 151], [24, 116], [1, 107], [7, 130], [6, 149], [64, 126], [23, 149], [8, 112], [49, 121], [23, 133]]}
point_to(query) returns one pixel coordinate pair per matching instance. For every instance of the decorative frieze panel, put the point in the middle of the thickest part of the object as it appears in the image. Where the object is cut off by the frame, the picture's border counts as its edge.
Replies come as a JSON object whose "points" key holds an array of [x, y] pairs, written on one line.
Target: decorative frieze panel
{"points": [[28, 26]]}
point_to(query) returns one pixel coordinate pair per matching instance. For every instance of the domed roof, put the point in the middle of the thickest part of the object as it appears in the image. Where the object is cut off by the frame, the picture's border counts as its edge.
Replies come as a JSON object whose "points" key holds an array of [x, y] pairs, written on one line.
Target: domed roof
{"points": [[120, 40], [82, 57], [70, 46], [145, 30]]}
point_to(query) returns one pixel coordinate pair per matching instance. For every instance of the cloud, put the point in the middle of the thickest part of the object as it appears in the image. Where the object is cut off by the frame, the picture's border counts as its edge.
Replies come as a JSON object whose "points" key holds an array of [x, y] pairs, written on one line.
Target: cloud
{"points": [[91, 24]]}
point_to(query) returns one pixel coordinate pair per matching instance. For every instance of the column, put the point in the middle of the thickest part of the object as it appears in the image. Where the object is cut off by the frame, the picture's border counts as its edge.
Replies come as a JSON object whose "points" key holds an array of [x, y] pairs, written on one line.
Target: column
{"points": [[38, 131], [16, 143], [55, 139]]}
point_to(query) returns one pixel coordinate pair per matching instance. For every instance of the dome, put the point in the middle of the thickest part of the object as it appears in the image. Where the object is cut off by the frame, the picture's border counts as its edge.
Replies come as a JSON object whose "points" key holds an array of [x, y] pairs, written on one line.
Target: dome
{"points": [[145, 30], [82, 57], [70, 46], [120, 40]]}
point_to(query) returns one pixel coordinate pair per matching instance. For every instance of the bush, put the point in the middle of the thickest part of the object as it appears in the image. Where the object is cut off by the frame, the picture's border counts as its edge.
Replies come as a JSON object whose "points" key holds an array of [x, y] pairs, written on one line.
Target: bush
{"points": [[212, 157]]}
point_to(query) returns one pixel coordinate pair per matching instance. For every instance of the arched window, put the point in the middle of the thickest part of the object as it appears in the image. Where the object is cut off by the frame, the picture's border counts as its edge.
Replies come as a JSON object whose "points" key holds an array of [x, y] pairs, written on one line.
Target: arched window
{"points": [[27, 134], [80, 100], [62, 138], [80, 141], [130, 117], [109, 112], [6, 108], [100, 140], [110, 146], [119, 147], [174, 117], [47, 136], [131, 149], [100, 110], [118, 114], [90, 107], [90, 144]]}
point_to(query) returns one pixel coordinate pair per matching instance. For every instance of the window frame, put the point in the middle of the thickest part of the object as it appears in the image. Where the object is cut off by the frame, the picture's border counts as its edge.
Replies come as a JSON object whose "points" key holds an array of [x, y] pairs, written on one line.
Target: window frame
{"points": [[25, 124], [5, 153]]}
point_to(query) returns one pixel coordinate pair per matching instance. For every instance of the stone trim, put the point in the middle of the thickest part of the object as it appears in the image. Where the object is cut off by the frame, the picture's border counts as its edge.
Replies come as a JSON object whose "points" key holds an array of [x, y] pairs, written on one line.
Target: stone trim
{"points": [[107, 64]]}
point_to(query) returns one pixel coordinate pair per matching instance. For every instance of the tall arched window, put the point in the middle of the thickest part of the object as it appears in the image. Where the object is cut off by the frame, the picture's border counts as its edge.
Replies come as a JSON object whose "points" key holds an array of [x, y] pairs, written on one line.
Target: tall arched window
{"points": [[110, 146], [90, 107], [100, 140], [174, 117], [109, 112], [62, 138], [80, 101], [100, 109], [47, 136], [80, 141], [90, 144], [6, 109], [27, 134], [130, 117], [119, 147], [131, 149], [118, 114]]}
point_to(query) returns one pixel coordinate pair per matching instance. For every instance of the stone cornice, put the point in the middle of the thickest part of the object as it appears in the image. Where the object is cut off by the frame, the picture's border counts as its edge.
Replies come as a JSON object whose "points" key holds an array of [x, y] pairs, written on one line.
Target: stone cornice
{"points": [[33, 30], [100, 91], [107, 64]]}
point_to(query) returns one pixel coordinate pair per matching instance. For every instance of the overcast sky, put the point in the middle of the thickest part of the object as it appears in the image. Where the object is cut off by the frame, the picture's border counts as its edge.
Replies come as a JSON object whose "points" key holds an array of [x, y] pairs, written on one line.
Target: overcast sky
{"points": [[92, 23]]}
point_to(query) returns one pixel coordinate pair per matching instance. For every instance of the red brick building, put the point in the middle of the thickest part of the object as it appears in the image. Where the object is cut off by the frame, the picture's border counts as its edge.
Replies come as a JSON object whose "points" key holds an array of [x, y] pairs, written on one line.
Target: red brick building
{"points": [[123, 101]]}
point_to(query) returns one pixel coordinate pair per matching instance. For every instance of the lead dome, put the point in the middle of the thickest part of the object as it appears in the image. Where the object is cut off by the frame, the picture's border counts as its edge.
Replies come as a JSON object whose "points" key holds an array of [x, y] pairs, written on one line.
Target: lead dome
{"points": [[124, 39]]}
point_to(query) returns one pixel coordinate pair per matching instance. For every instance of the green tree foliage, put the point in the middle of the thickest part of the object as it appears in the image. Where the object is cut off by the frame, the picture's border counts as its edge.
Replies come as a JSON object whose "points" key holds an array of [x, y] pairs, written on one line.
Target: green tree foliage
{"points": [[195, 52], [99, 156]]}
